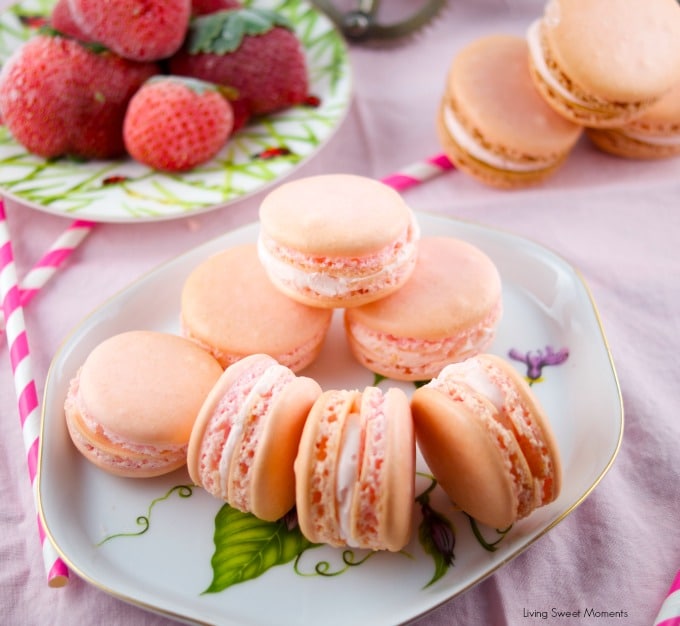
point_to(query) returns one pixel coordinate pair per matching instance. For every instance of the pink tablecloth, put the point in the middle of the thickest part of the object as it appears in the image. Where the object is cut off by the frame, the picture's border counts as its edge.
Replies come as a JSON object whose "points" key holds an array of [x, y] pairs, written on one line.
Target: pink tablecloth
{"points": [[617, 221]]}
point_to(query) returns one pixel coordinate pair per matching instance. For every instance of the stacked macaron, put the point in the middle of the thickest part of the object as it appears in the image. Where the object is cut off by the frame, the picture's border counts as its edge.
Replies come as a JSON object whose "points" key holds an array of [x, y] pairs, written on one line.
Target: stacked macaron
{"points": [[613, 67], [514, 108], [337, 240], [493, 123], [411, 305]]}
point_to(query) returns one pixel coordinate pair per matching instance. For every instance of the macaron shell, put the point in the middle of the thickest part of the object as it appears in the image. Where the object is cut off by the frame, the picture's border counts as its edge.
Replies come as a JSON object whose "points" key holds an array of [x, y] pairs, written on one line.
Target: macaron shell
{"points": [[639, 139], [491, 91], [334, 215], [454, 285], [272, 488], [448, 310], [147, 387], [394, 505], [316, 466], [230, 306], [663, 117], [466, 459], [617, 50], [117, 459]]}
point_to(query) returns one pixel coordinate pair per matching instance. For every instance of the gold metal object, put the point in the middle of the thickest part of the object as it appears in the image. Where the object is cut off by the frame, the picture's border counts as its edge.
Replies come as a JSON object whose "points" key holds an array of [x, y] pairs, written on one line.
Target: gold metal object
{"points": [[362, 25]]}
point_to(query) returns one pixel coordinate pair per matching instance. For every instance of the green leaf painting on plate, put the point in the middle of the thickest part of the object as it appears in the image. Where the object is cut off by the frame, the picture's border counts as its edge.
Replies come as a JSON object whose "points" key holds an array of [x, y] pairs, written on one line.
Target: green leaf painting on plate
{"points": [[246, 547]]}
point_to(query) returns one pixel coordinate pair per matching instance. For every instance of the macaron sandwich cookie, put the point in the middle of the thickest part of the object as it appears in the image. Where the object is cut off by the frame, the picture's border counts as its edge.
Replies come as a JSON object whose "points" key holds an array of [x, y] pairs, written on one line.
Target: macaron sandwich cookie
{"points": [[601, 63], [487, 440], [653, 135], [493, 123], [132, 404], [355, 470], [448, 311], [337, 240], [246, 436], [231, 309]]}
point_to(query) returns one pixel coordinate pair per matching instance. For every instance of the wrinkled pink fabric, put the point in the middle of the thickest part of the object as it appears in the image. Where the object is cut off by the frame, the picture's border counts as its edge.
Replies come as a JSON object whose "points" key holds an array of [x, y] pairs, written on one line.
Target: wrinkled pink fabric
{"points": [[617, 221]]}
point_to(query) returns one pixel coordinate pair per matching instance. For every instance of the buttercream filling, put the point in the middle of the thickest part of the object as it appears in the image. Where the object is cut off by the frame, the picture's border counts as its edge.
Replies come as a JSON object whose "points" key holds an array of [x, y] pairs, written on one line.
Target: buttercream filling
{"points": [[474, 148], [340, 276], [541, 67], [370, 516], [670, 140], [347, 475], [471, 374]]}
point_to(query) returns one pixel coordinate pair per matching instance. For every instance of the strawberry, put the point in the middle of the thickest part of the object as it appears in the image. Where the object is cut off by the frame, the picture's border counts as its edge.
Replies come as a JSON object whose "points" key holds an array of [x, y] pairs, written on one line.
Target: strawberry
{"points": [[141, 30], [62, 21], [252, 50], [175, 123], [203, 7], [59, 97]]}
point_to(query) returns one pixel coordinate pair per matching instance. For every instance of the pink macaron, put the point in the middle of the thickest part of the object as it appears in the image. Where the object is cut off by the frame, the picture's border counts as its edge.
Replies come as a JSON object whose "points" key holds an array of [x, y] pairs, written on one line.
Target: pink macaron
{"points": [[246, 436], [602, 63], [448, 310], [131, 406], [493, 123], [653, 135], [231, 308], [487, 440], [355, 470], [337, 240]]}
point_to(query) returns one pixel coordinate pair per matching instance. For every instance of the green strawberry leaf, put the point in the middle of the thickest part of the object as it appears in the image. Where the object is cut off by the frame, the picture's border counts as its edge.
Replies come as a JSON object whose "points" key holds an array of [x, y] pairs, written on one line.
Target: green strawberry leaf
{"points": [[246, 547], [223, 31]]}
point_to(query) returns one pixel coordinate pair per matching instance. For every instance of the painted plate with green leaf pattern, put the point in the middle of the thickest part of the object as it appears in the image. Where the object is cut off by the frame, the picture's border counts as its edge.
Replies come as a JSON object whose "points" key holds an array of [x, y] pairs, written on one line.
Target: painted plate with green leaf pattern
{"points": [[258, 155], [166, 545]]}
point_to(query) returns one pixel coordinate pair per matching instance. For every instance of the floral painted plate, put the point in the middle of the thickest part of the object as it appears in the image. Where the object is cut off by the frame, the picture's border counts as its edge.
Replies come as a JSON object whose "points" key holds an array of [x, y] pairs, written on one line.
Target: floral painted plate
{"points": [[257, 156], [168, 546]]}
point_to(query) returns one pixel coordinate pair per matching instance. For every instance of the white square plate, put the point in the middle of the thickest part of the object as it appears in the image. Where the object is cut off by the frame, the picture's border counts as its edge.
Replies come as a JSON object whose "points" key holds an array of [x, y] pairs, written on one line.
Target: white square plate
{"points": [[151, 541]]}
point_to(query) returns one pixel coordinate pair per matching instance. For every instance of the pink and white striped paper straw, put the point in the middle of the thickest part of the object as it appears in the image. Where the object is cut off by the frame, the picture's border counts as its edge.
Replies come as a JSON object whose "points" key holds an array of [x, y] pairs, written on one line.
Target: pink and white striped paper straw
{"points": [[669, 614], [419, 172], [52, 260], [25, 388]]}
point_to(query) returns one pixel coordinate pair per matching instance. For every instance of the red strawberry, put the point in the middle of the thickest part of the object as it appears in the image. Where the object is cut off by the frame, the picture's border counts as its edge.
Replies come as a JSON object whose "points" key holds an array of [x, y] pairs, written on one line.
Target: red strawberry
{"points": [[62, 21], [175, 123], [141, 30], [59, 97], [252, 50], [203, 7]]}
